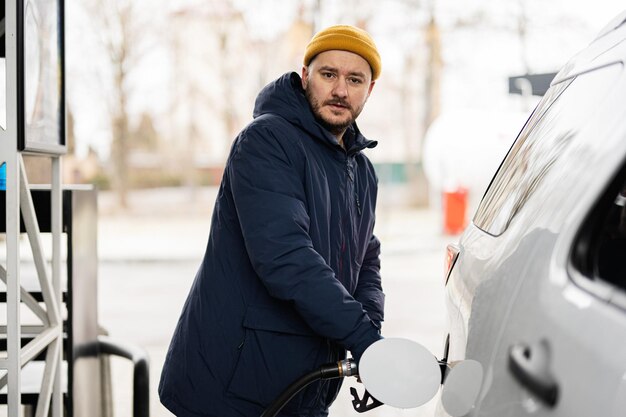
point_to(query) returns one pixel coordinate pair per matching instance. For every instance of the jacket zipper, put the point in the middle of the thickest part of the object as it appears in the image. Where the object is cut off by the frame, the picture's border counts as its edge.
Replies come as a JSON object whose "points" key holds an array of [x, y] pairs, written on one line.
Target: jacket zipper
{"points": [[352, 178]]}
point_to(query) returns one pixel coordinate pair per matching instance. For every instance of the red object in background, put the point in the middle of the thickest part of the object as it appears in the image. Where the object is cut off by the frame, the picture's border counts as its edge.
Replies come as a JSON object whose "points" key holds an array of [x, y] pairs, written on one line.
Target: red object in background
{"points": [[454, 208]]}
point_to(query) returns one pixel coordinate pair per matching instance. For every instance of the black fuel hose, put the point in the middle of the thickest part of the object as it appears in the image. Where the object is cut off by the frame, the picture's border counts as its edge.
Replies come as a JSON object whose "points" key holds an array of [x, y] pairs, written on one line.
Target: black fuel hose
{"points": [[339, 369]]}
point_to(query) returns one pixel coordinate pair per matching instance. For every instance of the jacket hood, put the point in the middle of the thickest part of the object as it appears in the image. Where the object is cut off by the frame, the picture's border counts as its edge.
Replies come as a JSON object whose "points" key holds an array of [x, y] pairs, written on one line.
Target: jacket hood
{"points": [[285, 98]]}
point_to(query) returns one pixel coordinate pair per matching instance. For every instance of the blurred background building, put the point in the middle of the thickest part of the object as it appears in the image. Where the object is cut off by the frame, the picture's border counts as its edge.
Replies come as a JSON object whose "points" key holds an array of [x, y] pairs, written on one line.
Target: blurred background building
{"points": [[157, 90]]}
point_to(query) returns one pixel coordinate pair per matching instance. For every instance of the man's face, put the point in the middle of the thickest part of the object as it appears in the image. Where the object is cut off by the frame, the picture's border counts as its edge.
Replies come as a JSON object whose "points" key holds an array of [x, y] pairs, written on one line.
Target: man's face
{"points": [[337, 85]]}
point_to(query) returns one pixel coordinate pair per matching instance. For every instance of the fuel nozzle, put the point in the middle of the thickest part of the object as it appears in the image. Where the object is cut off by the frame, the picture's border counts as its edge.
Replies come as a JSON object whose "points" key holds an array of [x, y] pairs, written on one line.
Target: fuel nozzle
{"points": [[349, 367], [346, 367]]}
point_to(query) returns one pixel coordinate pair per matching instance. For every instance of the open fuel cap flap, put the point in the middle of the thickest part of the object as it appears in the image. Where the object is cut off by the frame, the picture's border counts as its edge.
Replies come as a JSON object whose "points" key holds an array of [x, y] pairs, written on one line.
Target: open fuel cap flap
{"points": [[400, 373], [461, 387]]}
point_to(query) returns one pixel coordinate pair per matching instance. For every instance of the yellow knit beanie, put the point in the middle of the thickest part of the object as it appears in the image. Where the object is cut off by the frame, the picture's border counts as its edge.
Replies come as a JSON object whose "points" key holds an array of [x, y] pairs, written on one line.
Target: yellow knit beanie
{"points": [[345, 38]]}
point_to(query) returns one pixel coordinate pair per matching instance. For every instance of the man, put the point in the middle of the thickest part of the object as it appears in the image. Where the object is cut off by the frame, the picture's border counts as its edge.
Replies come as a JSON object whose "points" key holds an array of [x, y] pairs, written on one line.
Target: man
{"points": [[290, 279]]}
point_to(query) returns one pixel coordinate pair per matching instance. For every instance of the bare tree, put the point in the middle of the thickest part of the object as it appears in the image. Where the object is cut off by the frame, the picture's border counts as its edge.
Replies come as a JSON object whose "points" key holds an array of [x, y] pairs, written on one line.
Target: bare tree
{"points": [[220, 25], [121, 33], [434, 70]]}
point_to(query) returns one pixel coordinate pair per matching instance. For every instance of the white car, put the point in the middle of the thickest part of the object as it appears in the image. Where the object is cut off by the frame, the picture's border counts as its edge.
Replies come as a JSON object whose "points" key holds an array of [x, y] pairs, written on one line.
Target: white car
{"points": [[536, 286]]}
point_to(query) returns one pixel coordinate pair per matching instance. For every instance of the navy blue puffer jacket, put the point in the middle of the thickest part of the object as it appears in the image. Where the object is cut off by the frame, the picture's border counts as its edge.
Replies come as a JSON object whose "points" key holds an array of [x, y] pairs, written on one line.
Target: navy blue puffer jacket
{"points": [[290, 279]]}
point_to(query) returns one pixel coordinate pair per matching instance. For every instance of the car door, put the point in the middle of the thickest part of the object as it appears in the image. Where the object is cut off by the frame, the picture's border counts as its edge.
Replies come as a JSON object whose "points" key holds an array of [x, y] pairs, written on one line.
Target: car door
{"points": [[557, 348], [561, 350]]}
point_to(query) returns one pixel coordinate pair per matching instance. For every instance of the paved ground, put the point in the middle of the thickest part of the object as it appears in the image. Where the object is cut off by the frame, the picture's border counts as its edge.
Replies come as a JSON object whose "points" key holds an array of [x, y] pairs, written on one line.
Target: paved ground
{"points": [[149, 255]]}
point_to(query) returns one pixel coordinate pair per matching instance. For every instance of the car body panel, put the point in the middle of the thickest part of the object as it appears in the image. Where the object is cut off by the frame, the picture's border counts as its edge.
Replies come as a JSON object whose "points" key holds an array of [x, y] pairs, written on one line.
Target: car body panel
{"points": [[513, 284]]}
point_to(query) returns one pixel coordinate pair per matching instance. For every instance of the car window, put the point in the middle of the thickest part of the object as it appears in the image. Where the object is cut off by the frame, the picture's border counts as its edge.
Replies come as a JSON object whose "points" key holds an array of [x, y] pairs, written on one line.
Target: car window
{"points": [[541, 142], [599, 255]]}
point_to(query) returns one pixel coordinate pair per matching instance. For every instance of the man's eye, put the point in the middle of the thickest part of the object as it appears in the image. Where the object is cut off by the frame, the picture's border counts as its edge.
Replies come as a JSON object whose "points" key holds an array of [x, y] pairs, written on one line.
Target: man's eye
{"points": [[355, 80], [327, 74]]}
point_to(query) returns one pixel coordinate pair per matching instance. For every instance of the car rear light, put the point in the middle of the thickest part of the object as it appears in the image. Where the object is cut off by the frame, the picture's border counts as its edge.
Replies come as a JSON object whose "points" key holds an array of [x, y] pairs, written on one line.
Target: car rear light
{"points": [[452, 253]]}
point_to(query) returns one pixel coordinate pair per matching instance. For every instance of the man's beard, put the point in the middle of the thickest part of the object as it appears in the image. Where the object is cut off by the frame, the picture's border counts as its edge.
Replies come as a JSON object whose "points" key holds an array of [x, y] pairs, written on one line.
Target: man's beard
{"points": [[333, 127]]}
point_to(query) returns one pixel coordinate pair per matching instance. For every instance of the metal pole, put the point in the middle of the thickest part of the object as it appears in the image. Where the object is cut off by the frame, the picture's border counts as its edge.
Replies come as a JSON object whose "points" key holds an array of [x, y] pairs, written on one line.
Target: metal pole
{"points": [[56, 200], [9, 153], [13, 288]]}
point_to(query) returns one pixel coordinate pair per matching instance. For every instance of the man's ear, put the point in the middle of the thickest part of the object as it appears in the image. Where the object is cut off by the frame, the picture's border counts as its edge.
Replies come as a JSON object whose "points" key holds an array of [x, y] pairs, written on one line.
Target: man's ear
{"points": [[305, 76]]}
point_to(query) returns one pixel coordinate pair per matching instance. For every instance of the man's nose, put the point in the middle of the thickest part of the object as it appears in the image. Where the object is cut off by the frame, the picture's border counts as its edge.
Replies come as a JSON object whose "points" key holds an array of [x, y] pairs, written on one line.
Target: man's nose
{"points": [[341, 87]]}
